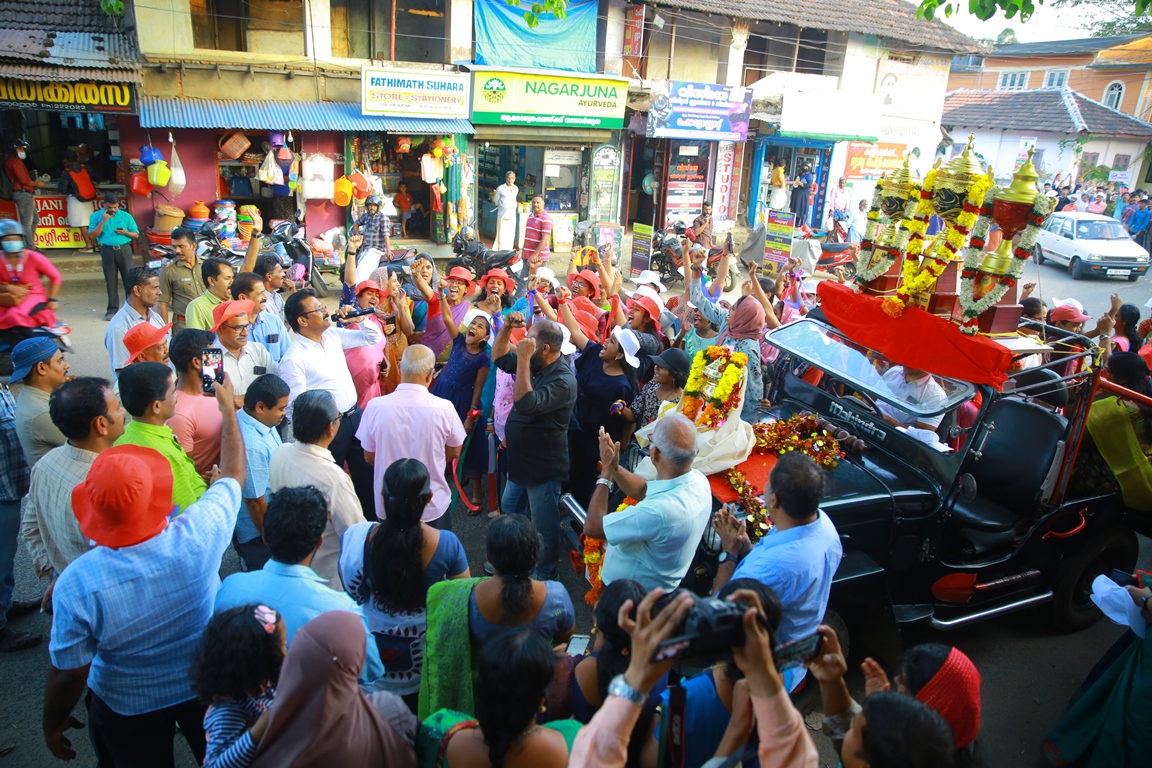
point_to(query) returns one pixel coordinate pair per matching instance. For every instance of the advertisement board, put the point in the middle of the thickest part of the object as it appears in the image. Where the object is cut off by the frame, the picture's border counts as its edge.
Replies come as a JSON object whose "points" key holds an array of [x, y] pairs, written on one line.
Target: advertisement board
{"points": [[414, 94], [686, 182], [53, 230], [722, 190], [522, 98], [682, 110], [606, 199], [780, 226], [641, 248], [871, 161], [84, 96]]}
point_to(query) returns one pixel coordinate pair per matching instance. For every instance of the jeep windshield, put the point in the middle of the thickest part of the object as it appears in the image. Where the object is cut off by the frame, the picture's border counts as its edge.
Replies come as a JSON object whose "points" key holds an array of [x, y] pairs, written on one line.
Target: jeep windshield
{"points": [[869, 371]]}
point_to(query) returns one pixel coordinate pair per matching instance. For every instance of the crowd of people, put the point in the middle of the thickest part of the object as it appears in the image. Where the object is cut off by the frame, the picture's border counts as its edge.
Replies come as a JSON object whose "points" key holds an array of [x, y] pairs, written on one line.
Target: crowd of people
{"points": [[329, 449]]}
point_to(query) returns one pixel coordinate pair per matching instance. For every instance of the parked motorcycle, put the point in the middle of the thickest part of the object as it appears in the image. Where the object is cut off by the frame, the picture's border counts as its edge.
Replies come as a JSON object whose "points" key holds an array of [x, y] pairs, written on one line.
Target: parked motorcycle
{"points": [[301, 265], [668, 257], [833, 255], [474, 256]]}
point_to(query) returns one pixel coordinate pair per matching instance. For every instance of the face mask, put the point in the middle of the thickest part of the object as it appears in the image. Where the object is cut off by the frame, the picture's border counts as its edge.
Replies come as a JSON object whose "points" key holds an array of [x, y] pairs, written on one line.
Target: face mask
{"points": [[21, 155], [13, 246]]}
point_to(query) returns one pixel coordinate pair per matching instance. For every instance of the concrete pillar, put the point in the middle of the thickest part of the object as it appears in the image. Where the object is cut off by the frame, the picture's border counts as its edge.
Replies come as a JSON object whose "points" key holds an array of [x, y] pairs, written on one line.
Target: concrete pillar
{"points": [[734, 75]]}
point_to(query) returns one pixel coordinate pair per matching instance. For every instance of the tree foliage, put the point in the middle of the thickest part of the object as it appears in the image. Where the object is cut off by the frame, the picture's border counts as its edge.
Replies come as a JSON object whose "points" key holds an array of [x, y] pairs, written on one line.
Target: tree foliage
{"points": [[1110, 18], [556, 8], [1007, 36], [1118, 17]]}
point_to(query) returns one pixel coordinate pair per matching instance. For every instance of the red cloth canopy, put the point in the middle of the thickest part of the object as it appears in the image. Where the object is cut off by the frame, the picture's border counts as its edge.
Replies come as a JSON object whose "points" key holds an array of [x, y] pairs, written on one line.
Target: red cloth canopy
{"points": [[916, 339]]}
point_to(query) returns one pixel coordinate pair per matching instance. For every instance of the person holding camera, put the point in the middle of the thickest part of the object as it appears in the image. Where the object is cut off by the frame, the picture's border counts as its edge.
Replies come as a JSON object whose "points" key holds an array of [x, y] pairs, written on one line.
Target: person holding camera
{"points": [[797, 558], [655, 540], [784, 741]]}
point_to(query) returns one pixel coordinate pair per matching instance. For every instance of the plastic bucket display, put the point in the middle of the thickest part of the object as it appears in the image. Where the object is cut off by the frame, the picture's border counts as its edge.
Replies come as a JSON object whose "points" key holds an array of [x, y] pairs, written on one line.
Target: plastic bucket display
{"points": [[342, 191], [234, 144], [168, 217], [360, 185], [149, 155], [159, 173], [140, 184]]}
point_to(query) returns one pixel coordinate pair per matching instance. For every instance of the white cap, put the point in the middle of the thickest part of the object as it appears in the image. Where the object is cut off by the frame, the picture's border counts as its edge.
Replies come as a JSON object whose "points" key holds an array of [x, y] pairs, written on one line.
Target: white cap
{"points": [[1069, 302], [1148, 303], [566, 346], [544, 273], [650, 277], [629, 344], [648, 290]]}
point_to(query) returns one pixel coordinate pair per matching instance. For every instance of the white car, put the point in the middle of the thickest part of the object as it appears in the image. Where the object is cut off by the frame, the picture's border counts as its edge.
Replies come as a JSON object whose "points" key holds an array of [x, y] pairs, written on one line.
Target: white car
{"points": [[1090, 244]]}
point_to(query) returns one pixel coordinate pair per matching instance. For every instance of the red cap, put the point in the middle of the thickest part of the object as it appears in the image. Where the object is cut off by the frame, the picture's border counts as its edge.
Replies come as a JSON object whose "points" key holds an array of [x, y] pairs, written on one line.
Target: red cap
{"points": [[142, 336], [463, 275], [648, 304], [1066, 313], [954, 692], [368, 285], [126, 497], [226, 310], [499, 274], [588, 323], [589, 277]]}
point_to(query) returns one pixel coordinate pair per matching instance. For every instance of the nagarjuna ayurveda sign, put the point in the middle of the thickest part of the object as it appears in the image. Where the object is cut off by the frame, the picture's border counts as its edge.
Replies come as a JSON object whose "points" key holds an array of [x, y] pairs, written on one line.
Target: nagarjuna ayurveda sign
{"points": [[525, 98]]}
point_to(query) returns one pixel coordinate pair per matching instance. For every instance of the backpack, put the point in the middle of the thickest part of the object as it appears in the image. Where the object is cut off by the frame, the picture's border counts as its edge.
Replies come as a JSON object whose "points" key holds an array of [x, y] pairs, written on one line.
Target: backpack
{"points": [[85, 189]]}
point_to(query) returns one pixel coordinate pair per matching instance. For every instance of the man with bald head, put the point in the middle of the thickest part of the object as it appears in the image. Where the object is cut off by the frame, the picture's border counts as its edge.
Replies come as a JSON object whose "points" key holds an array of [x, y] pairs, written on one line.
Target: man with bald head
{"points": [[537, 429], [654, 541]]}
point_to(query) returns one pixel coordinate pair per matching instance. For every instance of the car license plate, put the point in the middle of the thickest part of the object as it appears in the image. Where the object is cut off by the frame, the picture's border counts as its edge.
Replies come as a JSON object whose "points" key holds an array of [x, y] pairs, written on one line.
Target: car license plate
{"points": [[1119, 272]]}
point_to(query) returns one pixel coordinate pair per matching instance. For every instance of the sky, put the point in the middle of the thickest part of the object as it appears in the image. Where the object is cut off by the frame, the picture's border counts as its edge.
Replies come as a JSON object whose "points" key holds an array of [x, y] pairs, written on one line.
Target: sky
{"points": [[1048, 23]]}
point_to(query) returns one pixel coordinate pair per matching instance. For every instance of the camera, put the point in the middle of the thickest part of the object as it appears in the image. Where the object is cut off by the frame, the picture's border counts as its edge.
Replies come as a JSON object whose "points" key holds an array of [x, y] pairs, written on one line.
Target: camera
{"points": [[711, 627]]}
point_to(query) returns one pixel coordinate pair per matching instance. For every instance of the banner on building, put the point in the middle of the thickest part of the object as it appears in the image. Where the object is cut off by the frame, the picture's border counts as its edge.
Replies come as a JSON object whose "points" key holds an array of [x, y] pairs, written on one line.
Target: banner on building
{"points": [[683, 110], [85, 96], [413, 94], [504, 39], [522, 98], [871, 161]]}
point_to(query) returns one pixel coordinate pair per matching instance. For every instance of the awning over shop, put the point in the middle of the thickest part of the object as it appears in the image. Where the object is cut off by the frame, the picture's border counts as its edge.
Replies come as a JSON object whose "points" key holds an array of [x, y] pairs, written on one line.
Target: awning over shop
{"points": [[551, 137], [827, 136], [285, 115]]}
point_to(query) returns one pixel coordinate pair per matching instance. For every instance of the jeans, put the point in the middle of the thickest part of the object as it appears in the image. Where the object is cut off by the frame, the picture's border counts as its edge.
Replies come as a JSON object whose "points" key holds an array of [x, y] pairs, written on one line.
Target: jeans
{"points": [[128, 741], [544, 502], [9, 540], [26, 208], [115, 259], [346, 448], [254, 553]]}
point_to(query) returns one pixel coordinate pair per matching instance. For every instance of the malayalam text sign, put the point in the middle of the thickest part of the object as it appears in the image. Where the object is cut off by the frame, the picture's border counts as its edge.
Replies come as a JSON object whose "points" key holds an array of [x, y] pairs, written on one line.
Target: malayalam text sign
{"points": [[520, 98], [780, 226], [641, 248], [84, 96], [871, 161], [683, 110], [413, 94]]}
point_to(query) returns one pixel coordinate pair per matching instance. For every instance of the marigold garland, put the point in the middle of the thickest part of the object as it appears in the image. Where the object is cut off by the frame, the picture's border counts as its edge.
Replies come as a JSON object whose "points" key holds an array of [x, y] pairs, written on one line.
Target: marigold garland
{"points": [[594, 558], [798, 433], [713, 411], [751, 499]]}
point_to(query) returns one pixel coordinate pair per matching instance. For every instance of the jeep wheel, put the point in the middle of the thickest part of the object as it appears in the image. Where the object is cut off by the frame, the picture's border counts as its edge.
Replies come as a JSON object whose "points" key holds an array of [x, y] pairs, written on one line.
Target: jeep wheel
{"points": [[1076, 269], [1072, 607], [1038, 253]]}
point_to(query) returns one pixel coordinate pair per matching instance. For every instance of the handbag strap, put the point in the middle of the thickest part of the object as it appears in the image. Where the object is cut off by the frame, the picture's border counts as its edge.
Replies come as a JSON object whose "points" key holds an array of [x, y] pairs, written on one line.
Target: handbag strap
{"points": [[443, 748]]}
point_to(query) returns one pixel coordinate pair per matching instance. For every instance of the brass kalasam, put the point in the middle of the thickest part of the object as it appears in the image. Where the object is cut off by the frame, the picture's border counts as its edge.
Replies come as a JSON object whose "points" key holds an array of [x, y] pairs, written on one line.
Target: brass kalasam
{"points": [[894, 197], [1011, 208], [953, 182]]}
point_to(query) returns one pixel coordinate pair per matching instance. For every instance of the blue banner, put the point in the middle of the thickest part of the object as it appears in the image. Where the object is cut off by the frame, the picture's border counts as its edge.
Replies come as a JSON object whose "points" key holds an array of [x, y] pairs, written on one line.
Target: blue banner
{"points": [[503, 38], [699, 111]]}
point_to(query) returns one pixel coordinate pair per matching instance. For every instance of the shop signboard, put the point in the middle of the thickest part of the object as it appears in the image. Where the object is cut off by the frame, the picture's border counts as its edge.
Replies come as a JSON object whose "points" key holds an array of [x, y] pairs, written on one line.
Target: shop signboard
{"points": [[413, 93], [53, 230], [1120, 177], [722, 190], [871, 161], [734, 187], [778, 238], [686, 183], [634, 31], [556, 101], [83, 96], [605, 161], [641, 248], [683, 110]]}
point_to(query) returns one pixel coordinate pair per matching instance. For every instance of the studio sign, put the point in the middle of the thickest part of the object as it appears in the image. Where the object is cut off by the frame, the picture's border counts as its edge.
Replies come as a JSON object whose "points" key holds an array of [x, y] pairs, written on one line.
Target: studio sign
{"points": [[68, 97]]}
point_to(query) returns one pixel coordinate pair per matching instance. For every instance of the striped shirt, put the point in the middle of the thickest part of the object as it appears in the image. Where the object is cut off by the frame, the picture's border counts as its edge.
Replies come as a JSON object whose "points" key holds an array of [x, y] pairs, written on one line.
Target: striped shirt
{"points": [[13, 465], [50, 530], [136, 614], [226, 726], [537, 229]]}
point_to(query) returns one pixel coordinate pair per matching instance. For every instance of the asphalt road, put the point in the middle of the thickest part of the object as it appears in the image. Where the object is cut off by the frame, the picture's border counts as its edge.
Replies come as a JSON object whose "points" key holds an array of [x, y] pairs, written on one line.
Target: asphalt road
{"points": [[1028, 672]]}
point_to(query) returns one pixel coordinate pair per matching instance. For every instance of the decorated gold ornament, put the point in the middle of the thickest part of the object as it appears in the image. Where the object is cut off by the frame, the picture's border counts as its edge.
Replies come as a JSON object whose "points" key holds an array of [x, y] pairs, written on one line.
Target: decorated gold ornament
{"points": [[1010, 209]]}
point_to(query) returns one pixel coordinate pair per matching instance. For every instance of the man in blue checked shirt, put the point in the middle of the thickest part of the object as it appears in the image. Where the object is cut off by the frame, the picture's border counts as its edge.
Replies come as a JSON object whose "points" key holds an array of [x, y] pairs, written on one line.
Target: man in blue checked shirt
{"points": [[13, 486], [130, 612]]}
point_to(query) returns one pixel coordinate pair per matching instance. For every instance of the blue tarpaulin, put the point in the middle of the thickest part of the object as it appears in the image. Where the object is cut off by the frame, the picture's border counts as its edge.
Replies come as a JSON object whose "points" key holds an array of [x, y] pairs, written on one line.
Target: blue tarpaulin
{"points": [[503, 38]]}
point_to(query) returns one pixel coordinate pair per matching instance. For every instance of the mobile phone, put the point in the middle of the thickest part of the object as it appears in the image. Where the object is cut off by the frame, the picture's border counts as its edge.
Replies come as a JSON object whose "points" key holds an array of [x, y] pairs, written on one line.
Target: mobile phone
{"points": [[578, 645], [389, 325], [798, 652], [212, 369], [1122, 578]]}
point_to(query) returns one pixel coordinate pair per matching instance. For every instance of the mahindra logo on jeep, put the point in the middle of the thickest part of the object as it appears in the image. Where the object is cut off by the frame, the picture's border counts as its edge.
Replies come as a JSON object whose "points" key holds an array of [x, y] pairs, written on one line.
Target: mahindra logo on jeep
{"points": [[859, 422]]}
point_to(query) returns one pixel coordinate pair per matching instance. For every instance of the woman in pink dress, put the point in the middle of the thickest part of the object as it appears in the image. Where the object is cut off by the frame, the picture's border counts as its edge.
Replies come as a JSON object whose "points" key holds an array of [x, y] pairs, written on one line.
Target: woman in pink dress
{"points": [[22, 273]]}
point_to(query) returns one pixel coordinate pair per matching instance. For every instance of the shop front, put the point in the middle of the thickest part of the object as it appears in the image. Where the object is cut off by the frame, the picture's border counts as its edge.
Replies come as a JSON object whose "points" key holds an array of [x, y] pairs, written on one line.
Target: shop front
{"points": [[690, 153], [559, 133], [55, 116]]}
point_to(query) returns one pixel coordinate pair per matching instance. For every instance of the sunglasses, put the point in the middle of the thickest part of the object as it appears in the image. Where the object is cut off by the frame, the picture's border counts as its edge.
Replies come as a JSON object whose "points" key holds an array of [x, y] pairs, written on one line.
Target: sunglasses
{"points": [[239, 328], [319, 309]]}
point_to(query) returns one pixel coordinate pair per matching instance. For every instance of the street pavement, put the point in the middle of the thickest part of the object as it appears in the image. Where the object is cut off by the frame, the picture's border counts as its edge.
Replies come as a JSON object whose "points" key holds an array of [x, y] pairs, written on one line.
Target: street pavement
{"points": [[1028, 671]]}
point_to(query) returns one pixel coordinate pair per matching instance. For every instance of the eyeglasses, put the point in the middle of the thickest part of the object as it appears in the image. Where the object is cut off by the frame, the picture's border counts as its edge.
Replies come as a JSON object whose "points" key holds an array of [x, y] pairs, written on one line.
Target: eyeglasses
{"points": [[239, 328], [319, 309]]}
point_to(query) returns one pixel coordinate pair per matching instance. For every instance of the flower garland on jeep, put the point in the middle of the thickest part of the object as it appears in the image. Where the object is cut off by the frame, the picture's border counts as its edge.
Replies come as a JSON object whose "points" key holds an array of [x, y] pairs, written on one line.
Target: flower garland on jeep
{"points": [[802, 433], [714, 410], [921, 277], [594, 558], [905, 231], [974, 306], [868, 244], [758, 521]]}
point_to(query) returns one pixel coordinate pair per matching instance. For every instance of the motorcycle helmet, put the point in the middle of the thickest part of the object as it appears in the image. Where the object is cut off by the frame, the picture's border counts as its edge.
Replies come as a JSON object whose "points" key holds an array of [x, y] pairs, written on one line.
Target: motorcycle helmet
{"points": [[468, 233], [372, 200], [10, 227], [212, 229], [18, 144], [680, 227]]}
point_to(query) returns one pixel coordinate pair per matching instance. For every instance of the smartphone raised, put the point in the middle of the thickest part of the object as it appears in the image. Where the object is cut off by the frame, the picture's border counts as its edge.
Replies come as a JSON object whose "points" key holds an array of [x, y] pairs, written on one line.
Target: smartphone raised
{"points": [[578, 645], [1122, 578], [797, 653], [212, 368]]}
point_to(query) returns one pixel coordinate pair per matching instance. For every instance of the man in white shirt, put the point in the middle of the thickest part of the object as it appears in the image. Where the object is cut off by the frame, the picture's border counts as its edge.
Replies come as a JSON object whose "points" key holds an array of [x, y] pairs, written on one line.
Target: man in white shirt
{"points": [[857, 223], [244, 360], [918, 388], [506, 213], [412, 423], [316, 361], [143, 287]]}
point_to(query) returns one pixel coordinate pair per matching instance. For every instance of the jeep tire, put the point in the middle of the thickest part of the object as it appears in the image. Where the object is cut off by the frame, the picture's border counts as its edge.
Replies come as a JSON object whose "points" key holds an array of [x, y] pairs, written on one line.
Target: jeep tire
{"points": [[1113, 547]]}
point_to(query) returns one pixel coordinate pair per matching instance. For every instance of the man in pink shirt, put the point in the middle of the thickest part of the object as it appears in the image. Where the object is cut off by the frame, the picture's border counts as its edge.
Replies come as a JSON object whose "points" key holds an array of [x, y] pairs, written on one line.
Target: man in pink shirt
{"points": [[197, 421], [537, 232], [412, 423], [1098, 205]]}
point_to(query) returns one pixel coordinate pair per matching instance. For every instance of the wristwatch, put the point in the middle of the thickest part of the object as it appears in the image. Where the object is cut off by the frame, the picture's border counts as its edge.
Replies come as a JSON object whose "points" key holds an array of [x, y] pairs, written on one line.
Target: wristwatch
{"points": [[619, 687], [603, 481], [728, 557]]}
